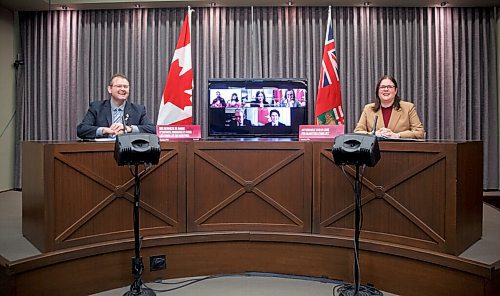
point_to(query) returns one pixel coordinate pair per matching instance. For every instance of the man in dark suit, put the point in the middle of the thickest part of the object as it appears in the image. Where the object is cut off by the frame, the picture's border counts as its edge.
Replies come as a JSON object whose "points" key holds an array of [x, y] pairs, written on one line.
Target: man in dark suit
{"points": [[275, 117], [105, 119], [239, 119]]}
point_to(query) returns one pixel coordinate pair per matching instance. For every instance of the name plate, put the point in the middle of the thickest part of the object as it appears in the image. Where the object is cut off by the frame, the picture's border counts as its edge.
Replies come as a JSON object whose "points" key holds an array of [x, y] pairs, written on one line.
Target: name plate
{"points": [[178, 132], [320, 132]]}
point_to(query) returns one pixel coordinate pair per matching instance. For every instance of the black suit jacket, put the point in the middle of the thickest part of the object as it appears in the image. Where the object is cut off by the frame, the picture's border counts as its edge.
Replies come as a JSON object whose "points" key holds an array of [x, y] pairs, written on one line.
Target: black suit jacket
{"points": [[271, 124], [99, 115], [246, 122]]}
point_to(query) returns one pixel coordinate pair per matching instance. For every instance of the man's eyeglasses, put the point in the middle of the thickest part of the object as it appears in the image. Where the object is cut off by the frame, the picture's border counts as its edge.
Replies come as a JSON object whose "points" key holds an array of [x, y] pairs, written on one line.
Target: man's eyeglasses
{"points": [[386, 87], [121, 86]]}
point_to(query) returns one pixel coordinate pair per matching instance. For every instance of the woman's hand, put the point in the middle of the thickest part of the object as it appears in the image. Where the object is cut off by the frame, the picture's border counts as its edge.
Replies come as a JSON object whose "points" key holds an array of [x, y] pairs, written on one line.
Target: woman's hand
{"points": [[385, 132]]}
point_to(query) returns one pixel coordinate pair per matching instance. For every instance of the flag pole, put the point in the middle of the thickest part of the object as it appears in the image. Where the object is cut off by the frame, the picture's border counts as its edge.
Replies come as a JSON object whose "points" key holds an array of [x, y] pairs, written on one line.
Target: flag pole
{"points": [[189, 18]]}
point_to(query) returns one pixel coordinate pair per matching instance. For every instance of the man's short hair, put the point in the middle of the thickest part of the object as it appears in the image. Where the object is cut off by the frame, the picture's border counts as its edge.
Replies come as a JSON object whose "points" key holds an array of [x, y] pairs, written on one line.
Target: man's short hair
{"points": [[276, 111], [110, 83], [240, 111]]}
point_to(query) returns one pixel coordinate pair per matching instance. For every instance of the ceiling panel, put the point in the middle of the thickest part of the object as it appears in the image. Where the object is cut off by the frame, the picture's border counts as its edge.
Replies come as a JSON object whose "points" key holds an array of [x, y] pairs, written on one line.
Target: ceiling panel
{"points": [[22, 5]]}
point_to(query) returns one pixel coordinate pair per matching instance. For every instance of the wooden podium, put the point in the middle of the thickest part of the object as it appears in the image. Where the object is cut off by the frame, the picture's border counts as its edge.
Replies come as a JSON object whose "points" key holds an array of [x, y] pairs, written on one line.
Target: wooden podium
{"points": [[425, 195]]}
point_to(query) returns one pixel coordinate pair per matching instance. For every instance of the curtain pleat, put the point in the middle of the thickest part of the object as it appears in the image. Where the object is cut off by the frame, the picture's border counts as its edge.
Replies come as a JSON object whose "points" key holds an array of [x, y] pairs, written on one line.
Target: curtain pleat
{"points": [[443, 58]]}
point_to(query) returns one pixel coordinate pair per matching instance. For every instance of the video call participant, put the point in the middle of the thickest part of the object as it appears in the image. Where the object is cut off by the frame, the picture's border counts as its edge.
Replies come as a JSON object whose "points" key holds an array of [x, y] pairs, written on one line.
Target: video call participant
{"points": [[289, 99], [260, 100], [239, 119], [105, 118], [396, 118], [275, 117], [218, 101], [234, 102]]}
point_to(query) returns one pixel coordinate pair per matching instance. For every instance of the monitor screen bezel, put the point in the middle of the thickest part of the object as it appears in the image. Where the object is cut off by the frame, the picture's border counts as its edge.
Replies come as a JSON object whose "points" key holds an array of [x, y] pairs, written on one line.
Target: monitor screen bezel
{"points": [[296, 116]]}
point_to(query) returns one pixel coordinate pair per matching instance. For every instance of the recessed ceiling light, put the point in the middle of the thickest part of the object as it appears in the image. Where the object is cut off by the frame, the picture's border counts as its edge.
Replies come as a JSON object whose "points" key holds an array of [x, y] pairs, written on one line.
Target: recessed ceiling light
{"points": [[137, 5], [290, 3], [367, 3], [444, 3]]}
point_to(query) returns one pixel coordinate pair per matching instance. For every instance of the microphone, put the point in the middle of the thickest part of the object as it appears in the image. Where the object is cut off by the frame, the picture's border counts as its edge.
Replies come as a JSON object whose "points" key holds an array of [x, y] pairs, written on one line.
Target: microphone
{"points": [[124, 122], [375, 125]]}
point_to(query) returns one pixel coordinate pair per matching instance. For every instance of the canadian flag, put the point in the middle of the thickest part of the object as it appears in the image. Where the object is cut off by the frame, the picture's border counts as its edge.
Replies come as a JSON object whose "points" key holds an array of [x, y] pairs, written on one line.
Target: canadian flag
{"points": [[176, 103]]}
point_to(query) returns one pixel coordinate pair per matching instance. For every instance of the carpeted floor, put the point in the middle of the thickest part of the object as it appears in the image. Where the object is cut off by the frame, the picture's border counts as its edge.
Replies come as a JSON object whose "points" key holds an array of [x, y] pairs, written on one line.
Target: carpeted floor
{"points": [[250, 284], [14, 246]]}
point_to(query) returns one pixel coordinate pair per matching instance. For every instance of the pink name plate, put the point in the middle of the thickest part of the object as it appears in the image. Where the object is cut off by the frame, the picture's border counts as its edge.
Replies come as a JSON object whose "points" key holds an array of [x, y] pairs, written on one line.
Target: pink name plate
{"points": [[178, 132], [320, 132]]}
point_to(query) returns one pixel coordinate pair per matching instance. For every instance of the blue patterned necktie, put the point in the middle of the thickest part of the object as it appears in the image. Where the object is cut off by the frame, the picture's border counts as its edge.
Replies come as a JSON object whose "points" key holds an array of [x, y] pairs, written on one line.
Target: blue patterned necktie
{"points": [[117, 115]]}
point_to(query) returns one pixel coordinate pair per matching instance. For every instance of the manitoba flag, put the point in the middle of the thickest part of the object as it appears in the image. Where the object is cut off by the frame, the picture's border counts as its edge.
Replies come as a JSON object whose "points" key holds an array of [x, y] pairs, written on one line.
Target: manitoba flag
{"points": [[176, 102], [329, 101]]}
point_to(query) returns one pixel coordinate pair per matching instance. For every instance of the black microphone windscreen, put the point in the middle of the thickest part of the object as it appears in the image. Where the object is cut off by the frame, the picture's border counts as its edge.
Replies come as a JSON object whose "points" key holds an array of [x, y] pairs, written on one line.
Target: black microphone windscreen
{"points": [[375, 125]]}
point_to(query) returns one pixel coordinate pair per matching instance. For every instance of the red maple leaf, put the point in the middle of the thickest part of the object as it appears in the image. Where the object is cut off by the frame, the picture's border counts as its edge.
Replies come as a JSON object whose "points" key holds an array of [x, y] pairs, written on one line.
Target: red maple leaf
{"points": [[178, 88]]}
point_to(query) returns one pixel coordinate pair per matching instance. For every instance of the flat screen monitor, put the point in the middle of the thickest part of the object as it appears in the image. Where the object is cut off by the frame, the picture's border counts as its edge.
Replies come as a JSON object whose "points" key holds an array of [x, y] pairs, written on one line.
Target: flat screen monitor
{"points": [[256, 107]]}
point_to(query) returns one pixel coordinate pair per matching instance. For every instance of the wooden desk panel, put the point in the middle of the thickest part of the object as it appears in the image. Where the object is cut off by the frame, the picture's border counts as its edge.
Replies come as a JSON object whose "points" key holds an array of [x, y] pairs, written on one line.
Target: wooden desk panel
{"points": [[76, 194], [426, 195], [264, 186]]}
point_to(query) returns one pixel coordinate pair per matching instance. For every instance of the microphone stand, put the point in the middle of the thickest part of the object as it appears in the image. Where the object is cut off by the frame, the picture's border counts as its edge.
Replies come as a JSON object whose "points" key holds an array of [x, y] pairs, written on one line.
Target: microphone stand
{"points": [[137, 264], [345, 148], [356, 289], [347, 289], [357, 228]]}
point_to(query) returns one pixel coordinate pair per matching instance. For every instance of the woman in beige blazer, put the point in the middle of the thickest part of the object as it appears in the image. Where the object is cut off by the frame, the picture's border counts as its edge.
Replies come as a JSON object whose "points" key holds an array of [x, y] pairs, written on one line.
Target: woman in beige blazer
{"points": [[395, 118]]}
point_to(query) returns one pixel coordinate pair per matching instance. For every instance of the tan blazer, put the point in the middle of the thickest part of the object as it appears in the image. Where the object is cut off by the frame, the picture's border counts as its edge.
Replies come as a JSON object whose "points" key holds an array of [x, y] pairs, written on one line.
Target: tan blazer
{"points": [[404, 121]]}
